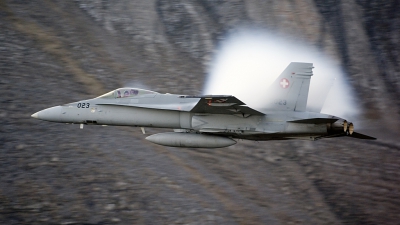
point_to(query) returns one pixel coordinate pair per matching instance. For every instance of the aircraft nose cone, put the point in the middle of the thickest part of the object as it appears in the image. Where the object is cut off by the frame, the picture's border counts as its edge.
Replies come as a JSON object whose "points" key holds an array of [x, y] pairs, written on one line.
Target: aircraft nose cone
{"points": [[35, 115], [50, 114]]}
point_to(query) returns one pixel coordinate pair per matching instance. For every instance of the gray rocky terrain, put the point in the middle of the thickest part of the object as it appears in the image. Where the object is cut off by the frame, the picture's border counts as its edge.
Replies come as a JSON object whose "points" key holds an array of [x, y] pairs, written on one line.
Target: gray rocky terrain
{"points": [[54, 52]]}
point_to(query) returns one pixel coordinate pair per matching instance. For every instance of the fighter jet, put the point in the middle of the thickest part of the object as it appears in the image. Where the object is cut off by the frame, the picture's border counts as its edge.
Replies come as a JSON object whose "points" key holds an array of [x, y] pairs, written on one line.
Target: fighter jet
{"points": [[210, 121]]}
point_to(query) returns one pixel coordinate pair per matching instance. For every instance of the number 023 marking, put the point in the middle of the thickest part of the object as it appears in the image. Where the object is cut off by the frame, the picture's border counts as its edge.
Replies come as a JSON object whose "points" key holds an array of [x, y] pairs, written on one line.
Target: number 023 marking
{"points": [[83, 105]]}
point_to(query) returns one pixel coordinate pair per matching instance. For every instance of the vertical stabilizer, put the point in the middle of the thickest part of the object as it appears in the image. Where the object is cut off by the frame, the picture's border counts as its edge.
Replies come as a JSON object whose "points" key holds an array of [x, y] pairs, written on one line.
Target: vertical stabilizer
{"points": [[289, 92]]}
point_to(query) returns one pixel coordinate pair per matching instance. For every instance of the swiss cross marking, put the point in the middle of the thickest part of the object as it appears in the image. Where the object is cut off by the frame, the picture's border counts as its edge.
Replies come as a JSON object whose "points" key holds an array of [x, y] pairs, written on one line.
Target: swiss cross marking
{"points": [[284, 83]]}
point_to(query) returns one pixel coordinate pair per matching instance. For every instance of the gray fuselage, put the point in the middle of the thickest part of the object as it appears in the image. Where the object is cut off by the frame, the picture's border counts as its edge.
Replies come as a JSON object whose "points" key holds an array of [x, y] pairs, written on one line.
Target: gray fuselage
{"points": [[167, 111]]}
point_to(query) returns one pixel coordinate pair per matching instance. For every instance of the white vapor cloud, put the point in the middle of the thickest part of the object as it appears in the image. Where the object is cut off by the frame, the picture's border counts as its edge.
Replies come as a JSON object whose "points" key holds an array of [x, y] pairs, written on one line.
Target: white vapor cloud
{"points": [[248, 61]]}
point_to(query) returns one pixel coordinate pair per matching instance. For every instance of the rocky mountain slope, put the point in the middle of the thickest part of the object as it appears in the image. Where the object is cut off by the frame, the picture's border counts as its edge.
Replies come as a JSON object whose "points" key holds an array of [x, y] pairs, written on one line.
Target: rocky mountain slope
{"points": [[54, 52]]}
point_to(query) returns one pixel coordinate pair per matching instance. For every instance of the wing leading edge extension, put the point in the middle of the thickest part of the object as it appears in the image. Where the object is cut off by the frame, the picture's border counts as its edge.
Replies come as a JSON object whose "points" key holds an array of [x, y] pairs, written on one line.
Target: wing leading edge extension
{"points": [[212, 104]]}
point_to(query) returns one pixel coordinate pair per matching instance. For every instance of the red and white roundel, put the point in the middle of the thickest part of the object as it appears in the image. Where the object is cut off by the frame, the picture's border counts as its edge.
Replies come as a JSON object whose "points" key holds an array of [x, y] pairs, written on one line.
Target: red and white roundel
{"points": [[284, 83]]}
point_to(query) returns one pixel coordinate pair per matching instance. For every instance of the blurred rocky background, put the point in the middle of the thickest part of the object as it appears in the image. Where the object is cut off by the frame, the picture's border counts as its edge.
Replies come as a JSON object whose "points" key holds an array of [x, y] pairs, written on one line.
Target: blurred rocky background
{"points": [[54, 52]]}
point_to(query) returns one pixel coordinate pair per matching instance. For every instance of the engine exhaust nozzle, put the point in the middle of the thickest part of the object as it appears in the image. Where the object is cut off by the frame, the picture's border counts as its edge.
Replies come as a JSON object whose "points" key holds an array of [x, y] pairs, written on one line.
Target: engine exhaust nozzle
{"points": [[351, 128], [345, 126]]}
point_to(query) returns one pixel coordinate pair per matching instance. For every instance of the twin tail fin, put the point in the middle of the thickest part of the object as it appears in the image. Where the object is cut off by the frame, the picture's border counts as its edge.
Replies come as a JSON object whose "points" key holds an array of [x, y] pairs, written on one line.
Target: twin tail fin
{"points": [[289, 92]]}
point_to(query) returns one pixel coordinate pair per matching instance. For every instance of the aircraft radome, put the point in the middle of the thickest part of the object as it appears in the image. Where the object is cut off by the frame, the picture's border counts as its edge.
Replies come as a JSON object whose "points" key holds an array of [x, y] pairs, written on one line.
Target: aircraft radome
{"points": [[210, 121]]}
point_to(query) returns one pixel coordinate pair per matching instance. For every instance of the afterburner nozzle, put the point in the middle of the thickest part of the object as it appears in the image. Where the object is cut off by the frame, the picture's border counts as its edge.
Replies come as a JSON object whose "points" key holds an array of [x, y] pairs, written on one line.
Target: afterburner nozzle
{"points": [[345, 126], [351, 128]]}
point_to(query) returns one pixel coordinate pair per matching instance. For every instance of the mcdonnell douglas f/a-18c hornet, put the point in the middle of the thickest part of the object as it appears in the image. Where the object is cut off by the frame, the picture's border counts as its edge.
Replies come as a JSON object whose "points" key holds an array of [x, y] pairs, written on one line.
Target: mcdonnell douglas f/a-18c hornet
{"points": [[210, 121]]}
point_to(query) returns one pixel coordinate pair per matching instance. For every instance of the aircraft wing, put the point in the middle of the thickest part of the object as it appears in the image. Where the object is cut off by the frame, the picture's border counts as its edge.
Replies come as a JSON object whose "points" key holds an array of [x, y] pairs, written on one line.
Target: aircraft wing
{"points": [[222, 104], [315, 120]]}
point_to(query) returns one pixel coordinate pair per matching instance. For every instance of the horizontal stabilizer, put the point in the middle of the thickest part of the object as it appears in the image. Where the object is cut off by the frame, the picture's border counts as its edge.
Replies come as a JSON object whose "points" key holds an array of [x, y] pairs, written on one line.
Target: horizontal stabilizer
{"points": [[361, 136]]}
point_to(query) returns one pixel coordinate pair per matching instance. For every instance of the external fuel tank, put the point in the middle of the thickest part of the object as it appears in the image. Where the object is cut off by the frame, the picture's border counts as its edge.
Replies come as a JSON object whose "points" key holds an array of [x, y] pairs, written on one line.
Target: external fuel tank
{"points": [[190, 140]]}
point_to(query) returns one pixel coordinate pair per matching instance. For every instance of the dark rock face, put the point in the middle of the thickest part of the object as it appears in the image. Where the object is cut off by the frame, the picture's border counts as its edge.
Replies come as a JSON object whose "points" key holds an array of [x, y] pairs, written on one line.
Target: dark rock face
{"points": [[375, 40], [54, 52], [381, 27], [180, 27]]}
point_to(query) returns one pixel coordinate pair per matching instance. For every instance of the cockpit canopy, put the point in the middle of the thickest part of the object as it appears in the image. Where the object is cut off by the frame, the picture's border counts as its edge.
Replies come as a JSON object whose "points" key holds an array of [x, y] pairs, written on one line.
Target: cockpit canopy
{"points": [[127, 93]]}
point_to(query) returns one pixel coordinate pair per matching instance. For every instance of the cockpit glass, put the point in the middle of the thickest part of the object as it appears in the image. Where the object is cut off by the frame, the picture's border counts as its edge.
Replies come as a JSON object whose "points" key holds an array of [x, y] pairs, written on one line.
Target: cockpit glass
{"points": [[126, 93]]}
